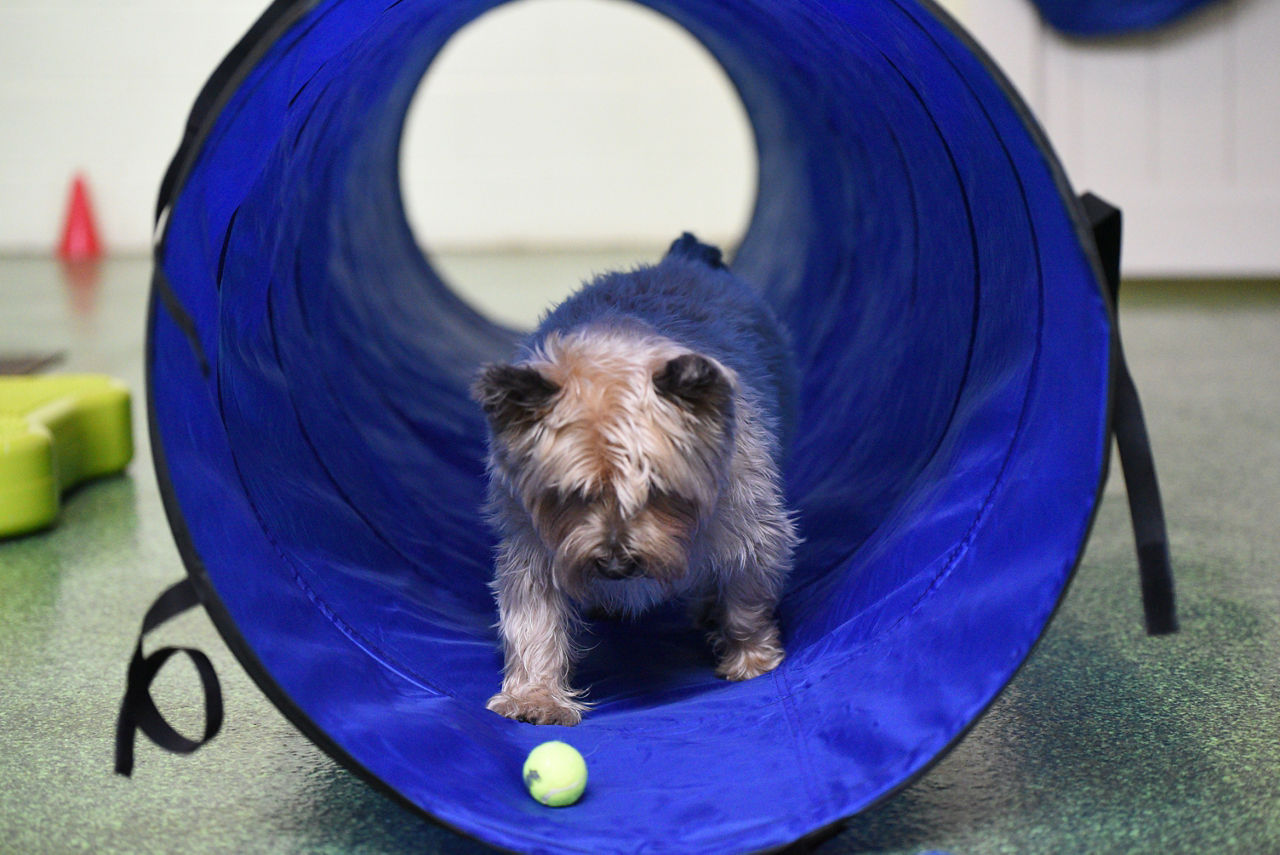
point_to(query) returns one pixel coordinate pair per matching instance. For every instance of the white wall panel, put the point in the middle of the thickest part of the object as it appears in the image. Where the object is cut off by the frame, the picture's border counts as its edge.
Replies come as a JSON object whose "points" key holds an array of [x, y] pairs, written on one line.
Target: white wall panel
{"points": [[1255, 37], [1180, 128], [1097, 107], [1192, 80], [103, 87], [565, 122]]}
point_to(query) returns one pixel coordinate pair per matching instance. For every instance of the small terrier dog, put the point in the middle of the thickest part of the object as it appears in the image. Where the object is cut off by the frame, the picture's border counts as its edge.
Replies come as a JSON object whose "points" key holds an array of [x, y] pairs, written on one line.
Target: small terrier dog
{"points": [[634, 453]]}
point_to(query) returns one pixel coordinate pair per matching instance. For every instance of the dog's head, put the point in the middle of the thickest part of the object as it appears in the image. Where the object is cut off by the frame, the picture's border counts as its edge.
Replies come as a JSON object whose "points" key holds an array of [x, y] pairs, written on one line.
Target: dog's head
{"points": [[616, 445]]}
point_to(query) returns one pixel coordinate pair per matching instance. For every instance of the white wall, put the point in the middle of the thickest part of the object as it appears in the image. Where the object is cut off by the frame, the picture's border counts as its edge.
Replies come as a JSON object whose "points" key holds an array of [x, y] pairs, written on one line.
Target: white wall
{"points": [[104, 87], [585, 121], [1180, 128], [552, 122]]}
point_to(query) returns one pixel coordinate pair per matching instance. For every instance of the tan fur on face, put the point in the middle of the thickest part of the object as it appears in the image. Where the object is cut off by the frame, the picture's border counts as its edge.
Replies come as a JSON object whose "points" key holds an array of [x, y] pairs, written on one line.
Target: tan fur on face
{"points": [[612, 460], [609, 427]]}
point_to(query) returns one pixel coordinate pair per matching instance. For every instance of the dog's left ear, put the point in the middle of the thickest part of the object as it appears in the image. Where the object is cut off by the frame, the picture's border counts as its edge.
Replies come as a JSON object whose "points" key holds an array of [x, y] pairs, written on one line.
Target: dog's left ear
{"points": [[697, 384], [513, 396]]}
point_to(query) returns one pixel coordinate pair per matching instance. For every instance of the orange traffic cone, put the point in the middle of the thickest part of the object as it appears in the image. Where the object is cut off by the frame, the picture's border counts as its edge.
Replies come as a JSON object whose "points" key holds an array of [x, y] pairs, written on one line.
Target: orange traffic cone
{"points": [[79, 234]]}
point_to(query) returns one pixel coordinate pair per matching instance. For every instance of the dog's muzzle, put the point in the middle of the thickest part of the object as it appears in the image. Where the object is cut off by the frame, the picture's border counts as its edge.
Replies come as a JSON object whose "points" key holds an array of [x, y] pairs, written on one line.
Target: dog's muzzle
{"points": [[617, 567]]}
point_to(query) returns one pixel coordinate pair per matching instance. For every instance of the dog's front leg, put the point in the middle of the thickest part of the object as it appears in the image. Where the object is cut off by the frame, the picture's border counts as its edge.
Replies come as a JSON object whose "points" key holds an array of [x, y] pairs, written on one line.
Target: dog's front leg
{"points": [[536, 622], [746, 638]]}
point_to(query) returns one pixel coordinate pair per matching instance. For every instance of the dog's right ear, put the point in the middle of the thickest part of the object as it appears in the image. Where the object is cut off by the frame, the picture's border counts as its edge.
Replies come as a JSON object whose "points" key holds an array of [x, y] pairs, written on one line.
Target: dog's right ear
{"points": [[694, 382], [513, 396]]}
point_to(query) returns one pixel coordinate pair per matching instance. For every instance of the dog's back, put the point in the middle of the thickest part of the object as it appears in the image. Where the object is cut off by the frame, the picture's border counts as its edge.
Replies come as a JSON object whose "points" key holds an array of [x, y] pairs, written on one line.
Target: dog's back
{"points": [[692, 298]]}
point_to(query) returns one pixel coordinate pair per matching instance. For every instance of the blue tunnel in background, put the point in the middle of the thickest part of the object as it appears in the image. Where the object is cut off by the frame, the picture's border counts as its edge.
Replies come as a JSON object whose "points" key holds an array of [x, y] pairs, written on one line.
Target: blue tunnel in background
{"points": [[322, 464], [1116, 18]]}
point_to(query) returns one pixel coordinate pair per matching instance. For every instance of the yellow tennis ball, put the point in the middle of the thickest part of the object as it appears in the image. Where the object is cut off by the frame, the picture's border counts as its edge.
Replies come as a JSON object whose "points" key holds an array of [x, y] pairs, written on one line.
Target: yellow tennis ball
{"points": [[555, 774]]}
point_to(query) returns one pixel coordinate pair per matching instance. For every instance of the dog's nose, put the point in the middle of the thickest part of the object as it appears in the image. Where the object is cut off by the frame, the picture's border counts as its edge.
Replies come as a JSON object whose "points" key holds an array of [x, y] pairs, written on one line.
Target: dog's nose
{"points": [[617, 567]]}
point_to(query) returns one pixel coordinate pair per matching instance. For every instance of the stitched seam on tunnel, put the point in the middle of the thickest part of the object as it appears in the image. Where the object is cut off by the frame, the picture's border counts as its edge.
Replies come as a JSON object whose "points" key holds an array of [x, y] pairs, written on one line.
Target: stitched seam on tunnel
{"points": [[294, 568], [1084, 241], [1065, 193], [787, 699], [953, 558], [968, 361], [1033, 381], [346, 499], [958, 551], [350, 631], [909, 760], [973, 327], [394, 661], [1033, 371]]}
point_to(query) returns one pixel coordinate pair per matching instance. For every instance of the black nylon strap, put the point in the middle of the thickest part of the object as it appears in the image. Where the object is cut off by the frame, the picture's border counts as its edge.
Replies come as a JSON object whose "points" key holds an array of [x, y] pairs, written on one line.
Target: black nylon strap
{"points": [[1159, 602], [160, 287], [138, 710]]}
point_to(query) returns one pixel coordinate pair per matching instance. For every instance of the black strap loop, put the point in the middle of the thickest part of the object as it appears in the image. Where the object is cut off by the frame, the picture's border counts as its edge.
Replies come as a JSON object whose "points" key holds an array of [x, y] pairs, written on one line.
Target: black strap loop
{"points": [[138, 710], [1151, 537]]}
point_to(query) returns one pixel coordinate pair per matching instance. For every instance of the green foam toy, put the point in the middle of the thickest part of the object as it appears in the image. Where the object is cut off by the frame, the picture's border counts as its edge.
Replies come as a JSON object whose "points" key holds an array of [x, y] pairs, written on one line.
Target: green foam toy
{"points": [[57, 432]]}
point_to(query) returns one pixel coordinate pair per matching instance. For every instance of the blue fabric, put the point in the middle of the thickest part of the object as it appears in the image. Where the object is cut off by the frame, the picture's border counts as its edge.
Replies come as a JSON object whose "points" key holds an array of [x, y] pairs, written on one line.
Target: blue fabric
{"points": [[325, 476], [1114, 17]]}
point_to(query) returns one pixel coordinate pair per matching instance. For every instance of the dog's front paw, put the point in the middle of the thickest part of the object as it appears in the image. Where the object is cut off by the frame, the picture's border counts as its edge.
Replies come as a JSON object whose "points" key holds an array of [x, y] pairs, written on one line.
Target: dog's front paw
{"points": [[538, 706], [745, 661]]}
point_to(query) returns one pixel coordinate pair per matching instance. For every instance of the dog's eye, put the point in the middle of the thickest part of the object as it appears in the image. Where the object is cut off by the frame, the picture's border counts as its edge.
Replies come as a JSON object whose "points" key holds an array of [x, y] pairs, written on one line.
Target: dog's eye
{"points": [[568, 499], [677, 510]]}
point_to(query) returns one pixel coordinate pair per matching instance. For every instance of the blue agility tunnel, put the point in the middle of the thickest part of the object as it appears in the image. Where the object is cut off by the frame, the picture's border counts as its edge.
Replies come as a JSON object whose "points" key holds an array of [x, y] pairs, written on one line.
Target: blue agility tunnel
{"points": [[322, 463]]}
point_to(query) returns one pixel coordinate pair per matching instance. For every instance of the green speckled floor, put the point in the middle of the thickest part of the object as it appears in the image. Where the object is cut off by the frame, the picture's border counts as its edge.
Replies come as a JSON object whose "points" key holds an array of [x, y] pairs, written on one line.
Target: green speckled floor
{"points": [[1107, 741]]}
